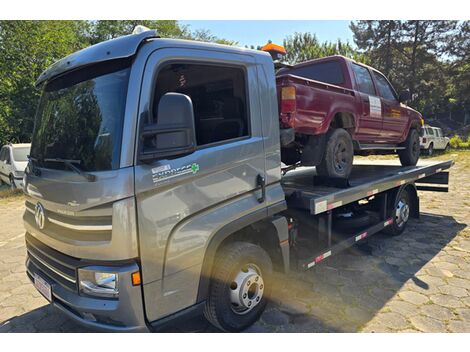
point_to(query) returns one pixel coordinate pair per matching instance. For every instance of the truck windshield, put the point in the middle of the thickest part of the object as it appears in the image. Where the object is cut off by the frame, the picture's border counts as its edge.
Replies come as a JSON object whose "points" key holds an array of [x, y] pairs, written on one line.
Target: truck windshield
{"points": [[80, 117]]}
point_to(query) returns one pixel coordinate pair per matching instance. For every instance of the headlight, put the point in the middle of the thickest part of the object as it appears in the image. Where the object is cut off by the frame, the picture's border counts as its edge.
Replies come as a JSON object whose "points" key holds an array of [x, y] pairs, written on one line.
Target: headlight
{"points": [[95, 283]]}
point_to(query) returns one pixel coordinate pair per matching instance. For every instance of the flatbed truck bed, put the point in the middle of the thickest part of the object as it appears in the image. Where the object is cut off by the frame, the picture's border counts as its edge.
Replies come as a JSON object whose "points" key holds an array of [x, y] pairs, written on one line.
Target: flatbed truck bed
{"points": [[316, 205]]}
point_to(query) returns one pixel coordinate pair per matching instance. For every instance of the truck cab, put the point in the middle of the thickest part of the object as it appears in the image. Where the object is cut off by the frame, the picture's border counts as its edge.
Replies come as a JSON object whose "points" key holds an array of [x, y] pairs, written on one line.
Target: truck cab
{"points": [[145, 150]]}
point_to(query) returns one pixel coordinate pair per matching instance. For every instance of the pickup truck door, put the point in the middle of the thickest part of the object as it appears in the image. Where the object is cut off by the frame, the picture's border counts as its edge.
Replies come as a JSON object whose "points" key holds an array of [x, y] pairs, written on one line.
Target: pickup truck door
{"points": [[181, 202], [369, 123], [395, 120]]}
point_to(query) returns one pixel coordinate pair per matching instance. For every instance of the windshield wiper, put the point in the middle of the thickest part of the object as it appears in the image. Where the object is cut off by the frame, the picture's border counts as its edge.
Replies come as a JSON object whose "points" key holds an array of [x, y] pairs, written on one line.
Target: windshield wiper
{"points": [[70, 164]]}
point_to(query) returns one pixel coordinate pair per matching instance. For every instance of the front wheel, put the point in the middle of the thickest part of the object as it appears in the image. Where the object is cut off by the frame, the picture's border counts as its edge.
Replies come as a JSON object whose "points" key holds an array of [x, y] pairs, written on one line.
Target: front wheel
{"points": [[410, 155], [338, 157], [239, 286], [12, 183]]}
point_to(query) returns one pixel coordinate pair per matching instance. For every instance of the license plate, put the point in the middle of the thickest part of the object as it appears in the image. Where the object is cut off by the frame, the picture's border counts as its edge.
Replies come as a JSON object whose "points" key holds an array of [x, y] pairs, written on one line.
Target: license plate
{"points": [[43, 287]]}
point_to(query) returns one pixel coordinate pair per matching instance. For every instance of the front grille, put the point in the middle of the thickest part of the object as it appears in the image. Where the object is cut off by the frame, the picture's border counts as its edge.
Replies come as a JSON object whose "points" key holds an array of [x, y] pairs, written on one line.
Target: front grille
{"points": [[59, 267]]}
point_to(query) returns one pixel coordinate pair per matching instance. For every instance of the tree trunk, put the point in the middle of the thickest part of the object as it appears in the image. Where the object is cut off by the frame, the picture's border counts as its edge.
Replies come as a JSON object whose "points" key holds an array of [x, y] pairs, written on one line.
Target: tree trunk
{"points": [[413, 59]]}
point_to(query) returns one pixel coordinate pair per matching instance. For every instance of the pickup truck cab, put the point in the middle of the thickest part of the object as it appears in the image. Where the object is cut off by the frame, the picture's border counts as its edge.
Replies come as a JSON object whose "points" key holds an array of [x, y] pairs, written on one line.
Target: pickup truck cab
{"points": [[334, 107], [432, 138], [154, 188]]}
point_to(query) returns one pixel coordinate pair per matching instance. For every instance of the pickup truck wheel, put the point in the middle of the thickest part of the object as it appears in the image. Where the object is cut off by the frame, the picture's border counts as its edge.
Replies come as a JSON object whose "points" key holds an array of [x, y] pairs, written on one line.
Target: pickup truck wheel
{"points": [[410, 155], [338, 158], [400, 212], [239, 286]]}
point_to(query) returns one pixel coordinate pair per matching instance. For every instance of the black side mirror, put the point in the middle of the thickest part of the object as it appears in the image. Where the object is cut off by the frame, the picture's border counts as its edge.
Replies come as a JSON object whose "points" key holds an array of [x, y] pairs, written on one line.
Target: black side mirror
{"points": [[404, 96], [174, 133]]}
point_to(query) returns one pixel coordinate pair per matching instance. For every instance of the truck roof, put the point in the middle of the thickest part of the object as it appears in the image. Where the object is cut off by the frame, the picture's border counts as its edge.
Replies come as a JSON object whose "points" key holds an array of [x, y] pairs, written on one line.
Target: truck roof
{"points": [[125, 47]]}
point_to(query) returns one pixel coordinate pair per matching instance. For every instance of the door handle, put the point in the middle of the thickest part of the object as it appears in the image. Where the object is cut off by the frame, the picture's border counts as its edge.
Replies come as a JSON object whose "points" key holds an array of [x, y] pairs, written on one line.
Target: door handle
{"points": [[261, 182]]}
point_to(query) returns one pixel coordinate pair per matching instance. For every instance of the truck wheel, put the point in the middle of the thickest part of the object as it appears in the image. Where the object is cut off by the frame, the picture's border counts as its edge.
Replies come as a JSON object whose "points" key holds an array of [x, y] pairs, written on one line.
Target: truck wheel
{"points": [[239, 286], [410, 155], [338, 158], [400, 213], [431, 149]]}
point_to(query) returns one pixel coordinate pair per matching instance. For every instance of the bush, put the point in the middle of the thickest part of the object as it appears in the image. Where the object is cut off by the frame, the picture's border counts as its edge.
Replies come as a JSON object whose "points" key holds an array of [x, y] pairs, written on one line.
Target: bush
{"points": [[458, 143]]}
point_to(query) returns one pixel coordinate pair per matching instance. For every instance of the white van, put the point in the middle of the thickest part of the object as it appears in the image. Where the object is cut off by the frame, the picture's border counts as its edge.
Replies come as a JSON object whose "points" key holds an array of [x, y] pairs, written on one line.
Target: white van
{"points": [[13, 161]]}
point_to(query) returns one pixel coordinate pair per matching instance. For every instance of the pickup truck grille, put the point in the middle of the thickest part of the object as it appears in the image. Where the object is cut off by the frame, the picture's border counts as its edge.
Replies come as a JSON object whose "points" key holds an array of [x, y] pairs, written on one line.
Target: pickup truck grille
{"points": [[59, 267]]}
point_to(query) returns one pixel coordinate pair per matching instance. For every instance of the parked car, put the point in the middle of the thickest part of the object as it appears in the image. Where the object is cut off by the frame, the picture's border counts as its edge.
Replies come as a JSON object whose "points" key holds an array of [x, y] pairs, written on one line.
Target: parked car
{"points": [[432, 138], [13, 161], [334, 107]]}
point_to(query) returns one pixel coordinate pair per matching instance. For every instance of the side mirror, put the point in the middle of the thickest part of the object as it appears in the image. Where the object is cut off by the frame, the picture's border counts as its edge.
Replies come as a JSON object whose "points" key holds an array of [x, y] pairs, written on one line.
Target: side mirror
{"points": [[404, 96], [174, 133]]}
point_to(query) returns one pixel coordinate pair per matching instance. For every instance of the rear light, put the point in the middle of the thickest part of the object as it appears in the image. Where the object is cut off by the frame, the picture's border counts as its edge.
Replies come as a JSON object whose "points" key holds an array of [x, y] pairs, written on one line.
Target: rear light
{"points": [[424, 139], [288, 103]]}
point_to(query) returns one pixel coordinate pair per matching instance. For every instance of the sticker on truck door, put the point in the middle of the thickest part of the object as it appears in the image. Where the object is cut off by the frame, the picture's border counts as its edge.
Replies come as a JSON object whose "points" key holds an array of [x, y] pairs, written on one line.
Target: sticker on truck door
{"points": [[166, 172], [375, 107]]}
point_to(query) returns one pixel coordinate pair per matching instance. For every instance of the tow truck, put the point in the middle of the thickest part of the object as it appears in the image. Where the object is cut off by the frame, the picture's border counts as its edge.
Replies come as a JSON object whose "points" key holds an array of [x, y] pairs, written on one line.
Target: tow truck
{"points": [[155, 189]]}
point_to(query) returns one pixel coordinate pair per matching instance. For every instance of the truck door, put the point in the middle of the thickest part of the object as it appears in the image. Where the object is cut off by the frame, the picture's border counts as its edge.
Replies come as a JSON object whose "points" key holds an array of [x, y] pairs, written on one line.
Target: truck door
{"points": [[394, 119], [370, 116], [182, 201]]}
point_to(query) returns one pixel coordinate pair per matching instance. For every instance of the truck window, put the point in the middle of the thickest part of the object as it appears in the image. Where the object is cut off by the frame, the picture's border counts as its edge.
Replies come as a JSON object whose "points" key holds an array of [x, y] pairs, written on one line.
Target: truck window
{"points": [[218, 94], [385, 90], [329, 72], [363, 79]]}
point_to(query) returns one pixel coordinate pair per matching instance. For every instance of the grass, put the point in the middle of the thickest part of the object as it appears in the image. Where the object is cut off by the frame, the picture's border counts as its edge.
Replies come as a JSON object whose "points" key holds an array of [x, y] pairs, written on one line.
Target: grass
{"points": [[8, 194]]}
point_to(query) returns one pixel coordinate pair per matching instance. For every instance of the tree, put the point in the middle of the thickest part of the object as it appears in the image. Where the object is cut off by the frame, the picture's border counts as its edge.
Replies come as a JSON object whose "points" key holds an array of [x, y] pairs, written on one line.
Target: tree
{"points": [[305, 46]]}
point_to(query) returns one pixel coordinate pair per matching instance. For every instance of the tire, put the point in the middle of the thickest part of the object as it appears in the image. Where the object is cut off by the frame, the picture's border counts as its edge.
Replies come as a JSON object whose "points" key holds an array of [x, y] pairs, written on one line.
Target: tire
{"points": [[410, 155], [431, 150], [338, 157], [12, 183], [229, 279], [402, 199]]}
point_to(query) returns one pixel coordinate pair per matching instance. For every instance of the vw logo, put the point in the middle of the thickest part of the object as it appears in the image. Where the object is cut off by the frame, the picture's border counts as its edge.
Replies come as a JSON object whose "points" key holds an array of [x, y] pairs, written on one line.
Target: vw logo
{"points": [[40, 216]]}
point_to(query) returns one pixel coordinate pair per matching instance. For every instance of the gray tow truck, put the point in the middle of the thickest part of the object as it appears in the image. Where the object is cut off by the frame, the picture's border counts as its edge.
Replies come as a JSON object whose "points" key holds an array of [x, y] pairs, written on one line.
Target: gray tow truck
{"points": [[155, 189]]}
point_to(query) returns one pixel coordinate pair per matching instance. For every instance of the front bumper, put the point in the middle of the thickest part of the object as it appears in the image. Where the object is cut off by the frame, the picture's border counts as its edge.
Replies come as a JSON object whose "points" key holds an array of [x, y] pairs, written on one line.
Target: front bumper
{"points": [[124, 314]]}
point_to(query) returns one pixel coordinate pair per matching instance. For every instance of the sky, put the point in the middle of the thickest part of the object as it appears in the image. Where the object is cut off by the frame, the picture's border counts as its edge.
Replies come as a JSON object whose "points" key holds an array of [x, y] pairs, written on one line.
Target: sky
{"points": [[259, 32]]}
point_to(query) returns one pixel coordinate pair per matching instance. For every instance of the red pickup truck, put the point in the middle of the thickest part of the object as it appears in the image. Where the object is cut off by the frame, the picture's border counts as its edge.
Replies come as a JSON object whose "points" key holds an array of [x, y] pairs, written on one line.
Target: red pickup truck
{"points": [[334, 107]]}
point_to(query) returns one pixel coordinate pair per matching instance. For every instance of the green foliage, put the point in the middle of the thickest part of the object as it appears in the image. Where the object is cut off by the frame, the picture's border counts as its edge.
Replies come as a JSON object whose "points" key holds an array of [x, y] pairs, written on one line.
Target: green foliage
{"points": [[28, 47], [429, 58], [305, 46], [457, 143]]}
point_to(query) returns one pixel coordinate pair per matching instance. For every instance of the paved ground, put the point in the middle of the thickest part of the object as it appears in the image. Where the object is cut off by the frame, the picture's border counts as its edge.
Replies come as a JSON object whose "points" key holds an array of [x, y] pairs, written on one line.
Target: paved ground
{"points": [[419, 281]]}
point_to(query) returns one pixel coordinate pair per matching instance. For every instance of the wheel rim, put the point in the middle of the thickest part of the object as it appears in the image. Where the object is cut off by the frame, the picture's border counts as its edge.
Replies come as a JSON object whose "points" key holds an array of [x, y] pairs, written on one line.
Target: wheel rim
{"points": [[402, 212], [340, 156], [246, 289]]}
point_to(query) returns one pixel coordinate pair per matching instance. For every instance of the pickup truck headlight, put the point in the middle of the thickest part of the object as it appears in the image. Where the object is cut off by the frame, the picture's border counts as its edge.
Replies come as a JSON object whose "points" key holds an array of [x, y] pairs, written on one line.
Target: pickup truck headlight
{"points": [[95, 283]]}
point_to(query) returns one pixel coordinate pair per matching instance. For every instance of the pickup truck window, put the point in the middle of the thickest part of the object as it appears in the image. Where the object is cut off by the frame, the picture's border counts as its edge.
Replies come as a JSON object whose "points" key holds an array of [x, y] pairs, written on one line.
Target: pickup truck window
{"points": [[218, 94], [328, 72], [363, 79], [386, 91]]}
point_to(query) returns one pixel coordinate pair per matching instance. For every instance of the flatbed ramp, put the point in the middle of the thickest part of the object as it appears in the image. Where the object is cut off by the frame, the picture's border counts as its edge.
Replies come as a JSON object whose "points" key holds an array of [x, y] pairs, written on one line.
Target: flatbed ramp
{"points": [[304, 190]]}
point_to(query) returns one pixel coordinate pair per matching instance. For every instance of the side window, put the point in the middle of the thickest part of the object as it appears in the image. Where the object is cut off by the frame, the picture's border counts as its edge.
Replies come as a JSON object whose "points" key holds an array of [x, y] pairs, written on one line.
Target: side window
{"points": [[218, 94], [329, 72], [385, 90], [439, 132], [363, 79]]}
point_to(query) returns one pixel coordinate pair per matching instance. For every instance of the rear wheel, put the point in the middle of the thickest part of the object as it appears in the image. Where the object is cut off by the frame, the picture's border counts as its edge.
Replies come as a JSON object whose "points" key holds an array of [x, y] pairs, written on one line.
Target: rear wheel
{"points": [[410, 155], [400, 212], [431, 149], [239, 286], [338, 157]]}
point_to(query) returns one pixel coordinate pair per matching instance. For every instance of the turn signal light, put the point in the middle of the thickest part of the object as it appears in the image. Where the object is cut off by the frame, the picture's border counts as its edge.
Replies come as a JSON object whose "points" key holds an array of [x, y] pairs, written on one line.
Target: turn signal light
{"points": [[288, 103], [136, 279]]}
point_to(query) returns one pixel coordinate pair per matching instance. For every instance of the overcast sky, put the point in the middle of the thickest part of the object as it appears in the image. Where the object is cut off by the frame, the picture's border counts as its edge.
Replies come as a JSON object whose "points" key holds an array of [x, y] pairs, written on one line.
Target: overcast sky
{"points": [[259, 32]]}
